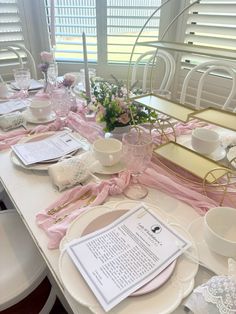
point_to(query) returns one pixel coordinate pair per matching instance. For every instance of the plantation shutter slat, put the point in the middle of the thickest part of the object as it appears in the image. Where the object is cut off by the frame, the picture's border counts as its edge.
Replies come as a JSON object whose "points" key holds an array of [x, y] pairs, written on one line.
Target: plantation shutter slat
{"points": [[72, 18], [211, 23], [124, 20], [10, 33]]}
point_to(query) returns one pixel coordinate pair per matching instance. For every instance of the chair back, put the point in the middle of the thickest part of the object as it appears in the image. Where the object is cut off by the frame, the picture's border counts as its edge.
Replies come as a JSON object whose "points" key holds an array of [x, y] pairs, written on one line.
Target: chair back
{"points": [[149, 59], [206, 68], [17, 49]]}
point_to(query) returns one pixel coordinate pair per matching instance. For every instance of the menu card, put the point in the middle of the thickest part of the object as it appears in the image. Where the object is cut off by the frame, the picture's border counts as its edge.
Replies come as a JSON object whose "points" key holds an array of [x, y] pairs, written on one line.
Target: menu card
{"points": [[11, 105], [50, 148], [117, 260]]}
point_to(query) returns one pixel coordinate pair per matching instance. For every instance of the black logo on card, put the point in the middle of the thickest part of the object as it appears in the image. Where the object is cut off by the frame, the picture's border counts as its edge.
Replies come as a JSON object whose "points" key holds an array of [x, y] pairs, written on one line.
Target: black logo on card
{"points": [[156, 228]]}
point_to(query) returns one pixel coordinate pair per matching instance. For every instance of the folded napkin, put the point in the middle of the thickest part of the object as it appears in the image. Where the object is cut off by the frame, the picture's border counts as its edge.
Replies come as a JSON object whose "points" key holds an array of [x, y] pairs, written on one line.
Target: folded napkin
{"points": [[55, 219], [217, 295], [12, 120], [71, 171]]}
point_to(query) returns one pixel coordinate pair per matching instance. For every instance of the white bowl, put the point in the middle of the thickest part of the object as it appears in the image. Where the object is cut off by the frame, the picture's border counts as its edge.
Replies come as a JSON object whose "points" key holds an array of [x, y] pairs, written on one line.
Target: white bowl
{"points": [[205, 141], [220, 230]]}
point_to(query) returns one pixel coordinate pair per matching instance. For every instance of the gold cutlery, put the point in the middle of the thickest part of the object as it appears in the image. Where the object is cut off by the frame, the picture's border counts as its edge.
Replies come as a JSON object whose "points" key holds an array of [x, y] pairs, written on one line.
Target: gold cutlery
{"points": [[56, 209], [89, 201]]}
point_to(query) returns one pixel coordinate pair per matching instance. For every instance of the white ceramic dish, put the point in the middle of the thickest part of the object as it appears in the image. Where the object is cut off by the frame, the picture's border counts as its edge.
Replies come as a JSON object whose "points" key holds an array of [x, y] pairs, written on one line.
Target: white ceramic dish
{"points": [[231, 155], [158, 301], [34, 85], [213, 261], [217, 155], [44, 165], [96, 167], [220, 230], [108, 217], [32, 119]]}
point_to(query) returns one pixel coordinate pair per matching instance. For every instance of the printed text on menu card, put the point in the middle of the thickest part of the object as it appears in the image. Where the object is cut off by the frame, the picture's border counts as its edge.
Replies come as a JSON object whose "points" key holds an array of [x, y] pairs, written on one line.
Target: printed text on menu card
{"points": [[119, 259], [51, 147]]}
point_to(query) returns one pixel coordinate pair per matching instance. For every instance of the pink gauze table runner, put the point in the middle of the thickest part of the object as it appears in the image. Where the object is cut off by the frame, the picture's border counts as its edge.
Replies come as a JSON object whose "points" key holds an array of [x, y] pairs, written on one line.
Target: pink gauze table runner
{"points": [[156, 176], [153, 177]]}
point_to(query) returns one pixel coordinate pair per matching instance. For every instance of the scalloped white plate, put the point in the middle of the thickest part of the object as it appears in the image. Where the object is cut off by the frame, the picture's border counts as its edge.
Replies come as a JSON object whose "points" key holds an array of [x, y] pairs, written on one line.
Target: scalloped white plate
{"points": [[163, 300]]}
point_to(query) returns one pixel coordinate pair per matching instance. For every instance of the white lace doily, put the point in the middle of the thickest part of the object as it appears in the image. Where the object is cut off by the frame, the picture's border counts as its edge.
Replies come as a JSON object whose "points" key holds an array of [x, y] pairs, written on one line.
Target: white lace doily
{"points": [[216, 296]]}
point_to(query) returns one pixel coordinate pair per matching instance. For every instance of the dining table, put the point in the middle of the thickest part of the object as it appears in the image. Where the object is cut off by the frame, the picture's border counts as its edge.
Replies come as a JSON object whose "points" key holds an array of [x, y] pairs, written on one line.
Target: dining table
{"points": [[31, 191]]}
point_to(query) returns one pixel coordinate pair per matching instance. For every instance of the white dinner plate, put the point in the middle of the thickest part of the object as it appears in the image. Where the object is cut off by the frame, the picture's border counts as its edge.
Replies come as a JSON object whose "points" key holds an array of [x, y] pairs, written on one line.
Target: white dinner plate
{"points": [[231, 155], [32, 119], [34, 85], [159, 301], [211, 260], [43, 166], [217, 155]]}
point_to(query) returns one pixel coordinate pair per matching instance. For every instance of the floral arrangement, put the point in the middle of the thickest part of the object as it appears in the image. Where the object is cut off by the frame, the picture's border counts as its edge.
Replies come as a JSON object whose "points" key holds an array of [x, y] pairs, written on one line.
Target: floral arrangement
{"points": [[112, 106], [46, 58]]}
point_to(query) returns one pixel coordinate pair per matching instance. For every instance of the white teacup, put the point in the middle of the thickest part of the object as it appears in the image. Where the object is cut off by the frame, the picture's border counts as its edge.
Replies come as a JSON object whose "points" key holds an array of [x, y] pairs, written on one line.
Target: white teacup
{"points": [[108, 151], [220, 230], [205, 141], [40, 109]]}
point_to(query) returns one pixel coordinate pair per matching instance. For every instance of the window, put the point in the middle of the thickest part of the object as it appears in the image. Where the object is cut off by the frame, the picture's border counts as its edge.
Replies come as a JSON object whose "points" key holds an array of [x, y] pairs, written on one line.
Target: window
{"points": [[10, 33], [211, 23], [72, 18], [111, 28]]}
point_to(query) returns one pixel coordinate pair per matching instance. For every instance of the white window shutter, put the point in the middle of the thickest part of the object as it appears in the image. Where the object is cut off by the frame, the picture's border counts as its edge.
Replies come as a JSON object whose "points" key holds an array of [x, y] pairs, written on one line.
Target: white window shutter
{"points": [[211, 23], [125, 18], [10, 33]]}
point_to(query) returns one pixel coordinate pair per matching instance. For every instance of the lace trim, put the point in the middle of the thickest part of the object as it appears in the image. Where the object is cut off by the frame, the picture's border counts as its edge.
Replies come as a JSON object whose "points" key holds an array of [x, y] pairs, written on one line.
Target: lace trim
{"points": [[221, 291]]}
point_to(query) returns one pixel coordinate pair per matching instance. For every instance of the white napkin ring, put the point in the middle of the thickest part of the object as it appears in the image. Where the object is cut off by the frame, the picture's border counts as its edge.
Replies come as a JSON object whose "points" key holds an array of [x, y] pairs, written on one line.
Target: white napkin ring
{"points": [[68, 172]]}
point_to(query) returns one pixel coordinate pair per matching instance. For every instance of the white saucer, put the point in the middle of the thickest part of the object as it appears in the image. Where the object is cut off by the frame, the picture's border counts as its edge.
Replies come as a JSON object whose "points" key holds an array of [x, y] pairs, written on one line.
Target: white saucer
{"points": [[96, 167], [215, 262], [217, 155], [32, 119]]}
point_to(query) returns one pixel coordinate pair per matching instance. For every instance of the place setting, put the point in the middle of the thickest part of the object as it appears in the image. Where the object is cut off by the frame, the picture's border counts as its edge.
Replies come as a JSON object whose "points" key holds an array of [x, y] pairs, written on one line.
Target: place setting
{"points": [[179, 272]]}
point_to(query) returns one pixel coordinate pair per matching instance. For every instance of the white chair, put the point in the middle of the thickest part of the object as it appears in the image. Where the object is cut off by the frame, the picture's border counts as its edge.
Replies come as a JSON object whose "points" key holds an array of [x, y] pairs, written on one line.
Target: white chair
{"points": [[206, 68], [21, 51], [147, 59], [22, 267]]}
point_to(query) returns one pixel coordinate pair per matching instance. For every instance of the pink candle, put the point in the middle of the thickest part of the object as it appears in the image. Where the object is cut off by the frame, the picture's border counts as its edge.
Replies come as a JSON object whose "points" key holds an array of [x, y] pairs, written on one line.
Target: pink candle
{"points": [[86, 72], [53, 35]]}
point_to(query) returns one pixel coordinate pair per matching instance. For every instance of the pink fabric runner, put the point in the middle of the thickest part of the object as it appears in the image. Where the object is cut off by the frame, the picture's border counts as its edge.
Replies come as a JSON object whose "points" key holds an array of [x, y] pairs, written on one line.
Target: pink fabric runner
{"points": [[156, 176], [76, 122]]}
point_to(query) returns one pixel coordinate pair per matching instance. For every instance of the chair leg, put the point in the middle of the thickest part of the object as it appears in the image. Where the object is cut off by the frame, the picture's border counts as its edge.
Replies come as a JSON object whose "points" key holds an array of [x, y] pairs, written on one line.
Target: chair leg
{"points": [[49, 303]]}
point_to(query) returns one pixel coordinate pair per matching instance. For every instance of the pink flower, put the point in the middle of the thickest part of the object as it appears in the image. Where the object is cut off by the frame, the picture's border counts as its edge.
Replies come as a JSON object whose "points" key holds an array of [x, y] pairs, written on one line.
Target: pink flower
{"points": [[69, 80], [124, 118], [46, 56]]}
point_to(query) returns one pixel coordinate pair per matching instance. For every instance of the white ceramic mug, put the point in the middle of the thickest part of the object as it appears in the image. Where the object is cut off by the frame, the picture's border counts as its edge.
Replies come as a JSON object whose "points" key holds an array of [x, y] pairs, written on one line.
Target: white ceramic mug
{"points": [[205, 141], [108, 151], [220, 230], [40, 109]]}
